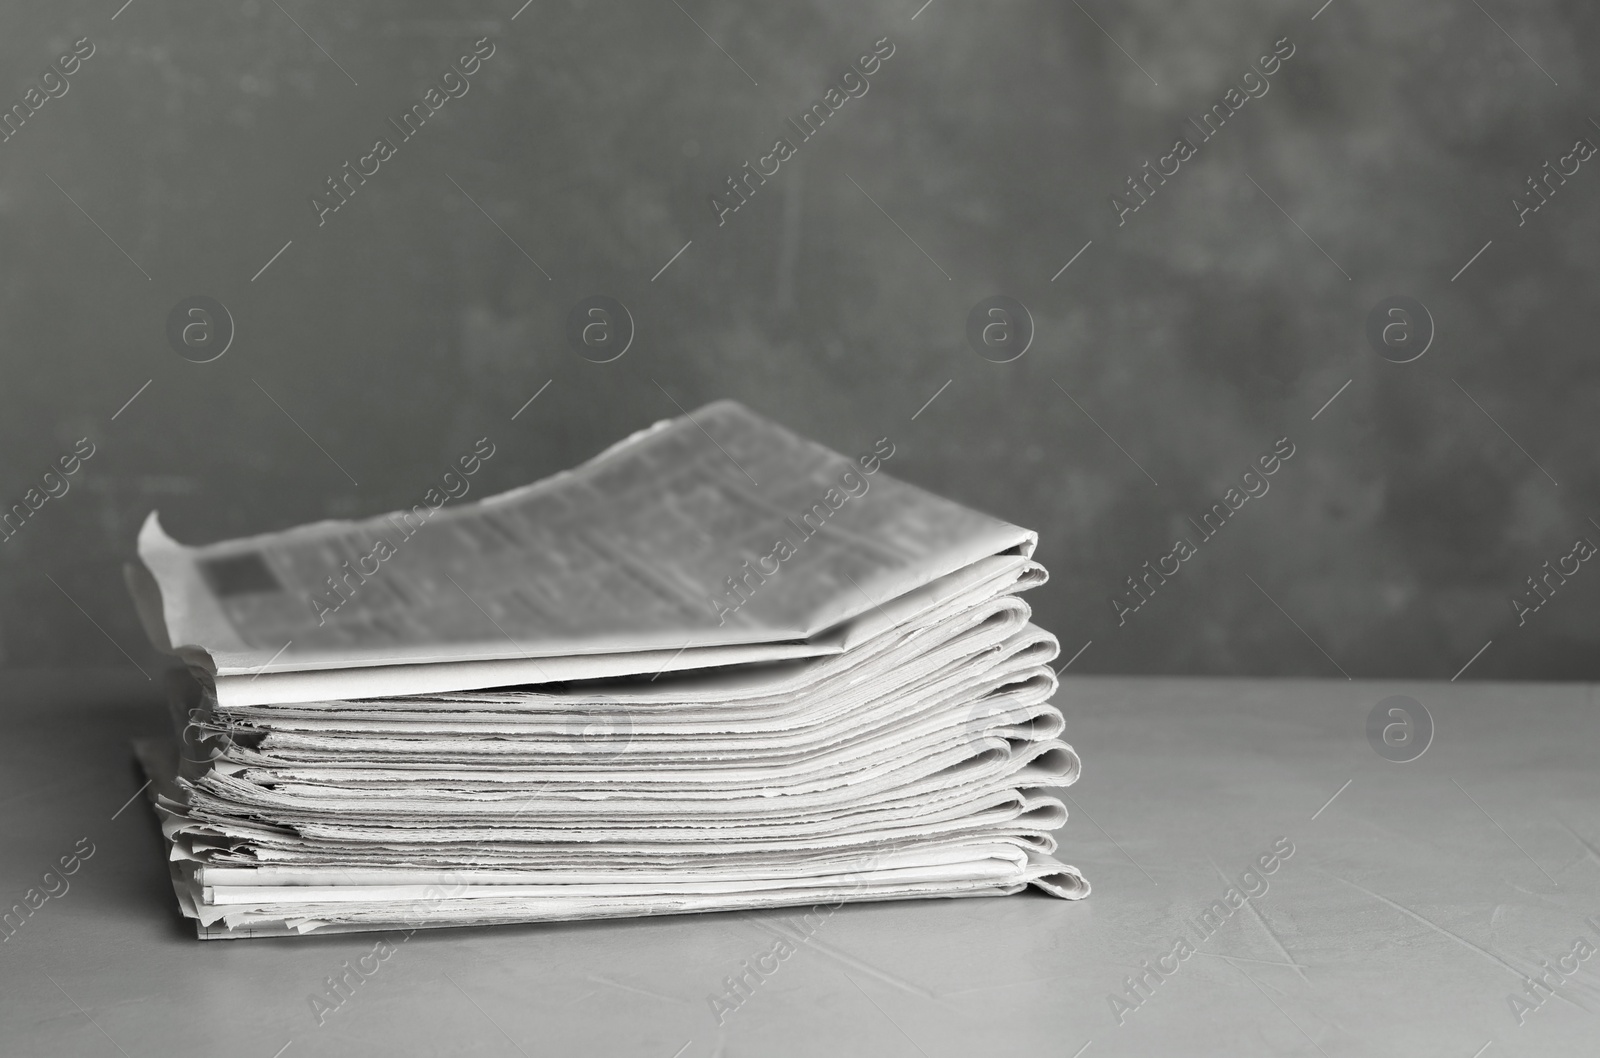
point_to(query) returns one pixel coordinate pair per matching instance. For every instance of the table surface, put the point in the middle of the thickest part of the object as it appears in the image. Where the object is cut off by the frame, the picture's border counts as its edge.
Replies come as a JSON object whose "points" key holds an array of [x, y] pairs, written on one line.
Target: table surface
{"points": [[1402, 924]]}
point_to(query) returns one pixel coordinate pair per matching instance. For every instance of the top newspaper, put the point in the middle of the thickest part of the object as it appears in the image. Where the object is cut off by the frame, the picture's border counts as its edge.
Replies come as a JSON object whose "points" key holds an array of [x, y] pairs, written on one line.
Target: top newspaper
{"points": [[715, 538]]}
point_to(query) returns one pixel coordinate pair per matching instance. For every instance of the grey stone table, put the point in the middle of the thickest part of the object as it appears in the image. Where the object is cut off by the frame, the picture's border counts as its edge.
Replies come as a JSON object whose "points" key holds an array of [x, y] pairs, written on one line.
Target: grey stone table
{"points": [[1446, 905]]}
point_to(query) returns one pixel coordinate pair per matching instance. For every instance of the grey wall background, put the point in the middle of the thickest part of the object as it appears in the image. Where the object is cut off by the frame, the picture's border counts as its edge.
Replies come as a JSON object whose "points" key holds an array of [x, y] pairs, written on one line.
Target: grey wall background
{"points": [[1196, 334]]}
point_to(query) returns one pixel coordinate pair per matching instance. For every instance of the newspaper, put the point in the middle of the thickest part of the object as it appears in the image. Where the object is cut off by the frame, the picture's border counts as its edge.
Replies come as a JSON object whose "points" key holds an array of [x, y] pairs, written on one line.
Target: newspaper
{"points": [[714, 531], [918, 765], [718, 666]]}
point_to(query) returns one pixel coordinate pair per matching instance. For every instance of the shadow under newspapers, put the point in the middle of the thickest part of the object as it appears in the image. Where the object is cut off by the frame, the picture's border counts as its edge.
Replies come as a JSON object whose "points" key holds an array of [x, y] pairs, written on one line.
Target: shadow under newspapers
{"points": [[648, 685]]}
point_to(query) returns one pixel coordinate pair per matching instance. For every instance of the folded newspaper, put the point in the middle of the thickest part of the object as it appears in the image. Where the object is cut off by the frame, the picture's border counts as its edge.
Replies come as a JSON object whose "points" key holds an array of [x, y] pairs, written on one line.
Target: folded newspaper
{"points": [[718, 666]]}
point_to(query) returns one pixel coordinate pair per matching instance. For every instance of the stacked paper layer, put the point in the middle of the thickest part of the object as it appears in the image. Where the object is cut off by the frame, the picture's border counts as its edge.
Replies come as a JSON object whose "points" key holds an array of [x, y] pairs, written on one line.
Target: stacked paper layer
{"points": [[907, 751]]}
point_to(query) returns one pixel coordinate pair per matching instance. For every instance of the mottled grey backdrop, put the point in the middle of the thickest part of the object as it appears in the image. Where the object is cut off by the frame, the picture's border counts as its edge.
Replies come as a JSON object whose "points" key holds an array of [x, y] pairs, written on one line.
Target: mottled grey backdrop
{"points": [[1221, 316]]}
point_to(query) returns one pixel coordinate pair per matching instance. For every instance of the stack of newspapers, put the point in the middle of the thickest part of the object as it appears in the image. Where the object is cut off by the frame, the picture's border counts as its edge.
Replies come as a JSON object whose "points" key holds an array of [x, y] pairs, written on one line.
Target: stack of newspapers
{"points": [[717, 666]]}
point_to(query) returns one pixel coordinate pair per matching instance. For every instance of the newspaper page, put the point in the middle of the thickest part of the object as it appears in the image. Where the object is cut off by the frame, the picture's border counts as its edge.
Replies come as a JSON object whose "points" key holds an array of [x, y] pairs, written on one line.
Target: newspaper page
{"points": [[713, 531]]}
